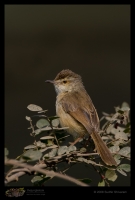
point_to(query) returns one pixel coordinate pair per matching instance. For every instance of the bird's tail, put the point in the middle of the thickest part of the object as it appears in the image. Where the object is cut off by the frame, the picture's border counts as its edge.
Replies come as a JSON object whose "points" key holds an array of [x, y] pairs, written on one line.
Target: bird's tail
{"points": [[103, 150]]}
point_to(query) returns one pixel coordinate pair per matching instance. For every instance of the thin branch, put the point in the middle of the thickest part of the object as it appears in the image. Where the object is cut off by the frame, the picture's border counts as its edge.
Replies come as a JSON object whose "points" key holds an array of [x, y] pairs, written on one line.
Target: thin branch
{"points": [[52, 130], [43, 171], [17, 170], [112, 140], [86, 154], [32, 127], [101, 175], [21, 171], [64, 137], [14, 177]]}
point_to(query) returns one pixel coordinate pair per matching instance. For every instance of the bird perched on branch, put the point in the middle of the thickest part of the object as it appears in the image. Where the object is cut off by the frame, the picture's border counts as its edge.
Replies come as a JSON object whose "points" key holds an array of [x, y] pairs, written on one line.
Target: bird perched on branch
{"points": [[76, 111]]}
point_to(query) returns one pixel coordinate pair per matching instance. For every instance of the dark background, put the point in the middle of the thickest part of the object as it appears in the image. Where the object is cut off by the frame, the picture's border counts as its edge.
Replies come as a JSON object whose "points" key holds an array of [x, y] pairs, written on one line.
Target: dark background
{"points": [[40, 41]]}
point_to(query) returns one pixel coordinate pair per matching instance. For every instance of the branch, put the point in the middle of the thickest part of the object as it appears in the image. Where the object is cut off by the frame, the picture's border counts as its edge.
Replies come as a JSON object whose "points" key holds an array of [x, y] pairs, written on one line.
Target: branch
{"points": [[101, 175], [14, 177], [40, 170], [17, 170], [86, 154]]}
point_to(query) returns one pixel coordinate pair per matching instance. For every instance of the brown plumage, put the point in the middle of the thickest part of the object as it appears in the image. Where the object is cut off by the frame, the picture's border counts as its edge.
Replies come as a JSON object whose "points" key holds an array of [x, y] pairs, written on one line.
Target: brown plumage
{"points": [[66, 74], [76, 110]]}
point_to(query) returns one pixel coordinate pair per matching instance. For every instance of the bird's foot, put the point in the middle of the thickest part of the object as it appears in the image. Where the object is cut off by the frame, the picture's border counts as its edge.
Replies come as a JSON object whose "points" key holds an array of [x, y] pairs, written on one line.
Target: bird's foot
{"points": [[73, 143]]}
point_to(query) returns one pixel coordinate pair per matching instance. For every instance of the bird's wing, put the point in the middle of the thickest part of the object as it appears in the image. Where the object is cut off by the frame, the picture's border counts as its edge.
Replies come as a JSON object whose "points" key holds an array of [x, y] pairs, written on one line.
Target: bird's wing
{"points": [[81, 108]]}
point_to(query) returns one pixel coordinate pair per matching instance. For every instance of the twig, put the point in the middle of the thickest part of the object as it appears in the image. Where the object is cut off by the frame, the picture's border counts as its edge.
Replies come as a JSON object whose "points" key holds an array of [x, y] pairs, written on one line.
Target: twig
{"points": [[86, 154], [33, 133], [112, 140], [101, 175], [69, 167], [64, 137], [43, 171], [14, 177], [17, 170], [52, 130]]}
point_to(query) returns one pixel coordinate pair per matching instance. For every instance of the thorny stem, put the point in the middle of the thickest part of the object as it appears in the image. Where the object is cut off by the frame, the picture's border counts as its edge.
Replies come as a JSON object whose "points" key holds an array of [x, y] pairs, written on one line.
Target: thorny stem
{"points": [[33, 133], [68, 168], [64, 137], [53, 132], [101, 175], [43, 171]]}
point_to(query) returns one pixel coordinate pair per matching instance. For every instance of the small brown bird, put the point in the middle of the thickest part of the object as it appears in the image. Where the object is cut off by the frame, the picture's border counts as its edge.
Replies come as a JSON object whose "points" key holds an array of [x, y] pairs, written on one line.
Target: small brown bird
{"points": [[76, 111]]}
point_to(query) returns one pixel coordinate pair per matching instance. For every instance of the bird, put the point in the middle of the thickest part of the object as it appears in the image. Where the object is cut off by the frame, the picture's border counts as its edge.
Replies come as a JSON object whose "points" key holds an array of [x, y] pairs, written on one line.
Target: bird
{"points": [[76, 111]]}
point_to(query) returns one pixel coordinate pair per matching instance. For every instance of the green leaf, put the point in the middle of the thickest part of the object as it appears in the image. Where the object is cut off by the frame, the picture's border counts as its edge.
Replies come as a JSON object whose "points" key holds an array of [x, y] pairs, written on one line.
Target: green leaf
{"points": [[71, 148], [6, 152], [114, 149], [125, 104], [117, 158], [38, 131], [125, 167], [33, 107], [55, 122], [117, 130], [36, 179], [32, 155], [127, 130], [40, 144], [46, 137], [111, 175], [102, 183], [41, 123], [121, 172], [83, 150], [85, 180], [110, 128], [30, 147], [128, 125], [121, 135], [118, 142], [124, 151], [28, 118], [52, 153], [50, 143], [128, 155], [62, 150]]}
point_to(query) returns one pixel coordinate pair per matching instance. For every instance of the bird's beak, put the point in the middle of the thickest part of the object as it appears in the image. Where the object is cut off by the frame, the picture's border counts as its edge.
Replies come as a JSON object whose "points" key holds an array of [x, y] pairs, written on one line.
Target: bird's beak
{"points": [[49, 81]]}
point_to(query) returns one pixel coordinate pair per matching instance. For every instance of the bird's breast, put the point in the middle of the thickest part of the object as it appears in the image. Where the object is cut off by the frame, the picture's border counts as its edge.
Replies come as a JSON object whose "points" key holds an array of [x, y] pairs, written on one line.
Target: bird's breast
{"points": [[75, 128]]}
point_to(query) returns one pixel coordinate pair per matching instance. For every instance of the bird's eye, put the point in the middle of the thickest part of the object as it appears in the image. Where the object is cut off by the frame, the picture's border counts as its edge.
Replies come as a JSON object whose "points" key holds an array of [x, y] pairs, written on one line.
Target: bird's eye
{"points": [[64, 81]]}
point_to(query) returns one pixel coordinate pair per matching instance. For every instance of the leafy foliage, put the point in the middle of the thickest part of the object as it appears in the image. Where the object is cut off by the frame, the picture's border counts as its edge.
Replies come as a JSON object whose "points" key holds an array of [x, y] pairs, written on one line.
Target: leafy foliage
{"points": [[49, 148]]}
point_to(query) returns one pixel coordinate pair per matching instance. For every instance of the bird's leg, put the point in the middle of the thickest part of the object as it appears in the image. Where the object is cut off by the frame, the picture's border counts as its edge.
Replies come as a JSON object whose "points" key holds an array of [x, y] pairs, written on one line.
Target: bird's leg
{"points": [[77, 140]]}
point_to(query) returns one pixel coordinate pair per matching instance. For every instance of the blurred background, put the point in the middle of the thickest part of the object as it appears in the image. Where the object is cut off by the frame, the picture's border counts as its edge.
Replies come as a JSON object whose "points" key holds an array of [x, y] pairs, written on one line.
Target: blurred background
{"points": [[40, 41]]}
